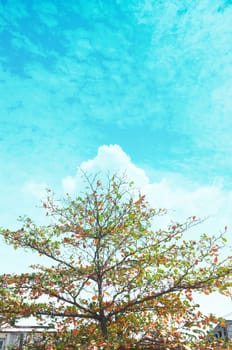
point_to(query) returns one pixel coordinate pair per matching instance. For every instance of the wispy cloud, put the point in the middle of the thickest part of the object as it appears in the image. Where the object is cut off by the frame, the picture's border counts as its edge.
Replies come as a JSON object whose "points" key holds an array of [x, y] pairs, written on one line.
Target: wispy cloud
{"points": [[157, 65], [162, 66]]}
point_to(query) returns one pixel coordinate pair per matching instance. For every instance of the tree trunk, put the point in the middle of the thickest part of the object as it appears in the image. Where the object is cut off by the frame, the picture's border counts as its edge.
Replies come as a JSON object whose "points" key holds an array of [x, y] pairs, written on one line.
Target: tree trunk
{"points": [[104, 327]]}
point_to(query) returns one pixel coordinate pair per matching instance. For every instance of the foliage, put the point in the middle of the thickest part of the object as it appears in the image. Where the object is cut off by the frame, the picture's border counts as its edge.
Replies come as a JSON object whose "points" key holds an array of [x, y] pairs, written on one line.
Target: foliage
{"points": [[115, 281]]}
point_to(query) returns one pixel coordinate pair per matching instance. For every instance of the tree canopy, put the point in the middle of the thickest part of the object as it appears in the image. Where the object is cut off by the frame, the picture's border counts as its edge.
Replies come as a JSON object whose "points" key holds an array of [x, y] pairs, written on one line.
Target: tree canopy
{"points": [[115, 280]]}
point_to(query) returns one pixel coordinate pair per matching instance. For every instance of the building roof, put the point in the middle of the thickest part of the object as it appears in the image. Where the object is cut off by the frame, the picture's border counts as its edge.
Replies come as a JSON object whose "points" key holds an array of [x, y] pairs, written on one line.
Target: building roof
{"points": [[24, 329]]}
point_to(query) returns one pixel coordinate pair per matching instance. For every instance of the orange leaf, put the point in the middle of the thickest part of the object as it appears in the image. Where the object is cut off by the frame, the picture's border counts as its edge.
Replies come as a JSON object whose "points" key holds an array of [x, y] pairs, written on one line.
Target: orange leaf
{"points": [[75, 332]]}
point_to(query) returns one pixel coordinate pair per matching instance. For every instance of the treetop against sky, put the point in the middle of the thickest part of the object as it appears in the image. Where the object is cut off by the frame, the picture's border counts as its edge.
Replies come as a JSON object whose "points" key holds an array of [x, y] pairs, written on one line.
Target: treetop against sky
{"points": [[113, 278], [141, 85]]}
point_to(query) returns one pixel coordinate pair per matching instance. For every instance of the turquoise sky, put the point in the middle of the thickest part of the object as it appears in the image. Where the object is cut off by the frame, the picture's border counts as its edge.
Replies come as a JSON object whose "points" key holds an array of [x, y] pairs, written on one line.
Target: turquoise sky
{"points": [[153, 77]]}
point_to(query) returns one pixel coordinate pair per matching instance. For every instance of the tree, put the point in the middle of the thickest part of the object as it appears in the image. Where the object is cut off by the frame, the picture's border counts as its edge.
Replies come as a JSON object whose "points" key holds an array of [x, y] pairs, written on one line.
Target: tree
{"points": [[115, 280]]}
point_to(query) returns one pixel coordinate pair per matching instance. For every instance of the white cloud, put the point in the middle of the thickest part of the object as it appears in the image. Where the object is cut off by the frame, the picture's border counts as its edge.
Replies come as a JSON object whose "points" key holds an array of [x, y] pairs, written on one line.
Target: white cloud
{"points": [[181, 198], [203, 201], [115, 160], [37, 190], [69, 184], [109, 160]]}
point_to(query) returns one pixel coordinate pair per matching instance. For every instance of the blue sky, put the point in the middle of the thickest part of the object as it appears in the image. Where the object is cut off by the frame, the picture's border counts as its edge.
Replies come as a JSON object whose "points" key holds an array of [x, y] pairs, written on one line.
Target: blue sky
{"points": [[152, 78]]}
